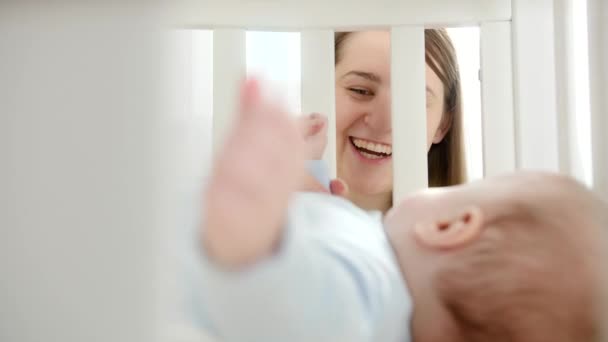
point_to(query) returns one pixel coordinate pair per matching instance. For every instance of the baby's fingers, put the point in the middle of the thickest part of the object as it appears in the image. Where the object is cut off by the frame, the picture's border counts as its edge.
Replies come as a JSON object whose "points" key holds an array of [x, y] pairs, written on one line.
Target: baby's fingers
{"points": [[338, 187]]}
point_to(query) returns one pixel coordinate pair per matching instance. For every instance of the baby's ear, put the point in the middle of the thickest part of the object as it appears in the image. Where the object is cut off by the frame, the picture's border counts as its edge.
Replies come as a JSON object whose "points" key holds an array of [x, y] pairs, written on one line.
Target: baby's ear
{"points": [[452, 233]]}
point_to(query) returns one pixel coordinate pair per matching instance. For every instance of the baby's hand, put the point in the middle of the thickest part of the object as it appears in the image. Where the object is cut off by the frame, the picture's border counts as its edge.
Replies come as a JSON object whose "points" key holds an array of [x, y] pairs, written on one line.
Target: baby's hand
{"points": [[337, 186], [313, 128], [255, 173]]}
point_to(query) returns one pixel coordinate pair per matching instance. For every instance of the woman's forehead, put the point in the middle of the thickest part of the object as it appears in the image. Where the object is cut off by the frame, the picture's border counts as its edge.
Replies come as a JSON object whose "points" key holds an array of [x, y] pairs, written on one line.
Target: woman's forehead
{"points": [[368, 52]]}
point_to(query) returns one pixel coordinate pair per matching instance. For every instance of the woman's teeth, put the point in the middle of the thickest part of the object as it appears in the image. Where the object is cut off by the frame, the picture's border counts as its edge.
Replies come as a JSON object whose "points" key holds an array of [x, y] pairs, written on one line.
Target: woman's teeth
{"points": [[372, 147], [370, 156]]}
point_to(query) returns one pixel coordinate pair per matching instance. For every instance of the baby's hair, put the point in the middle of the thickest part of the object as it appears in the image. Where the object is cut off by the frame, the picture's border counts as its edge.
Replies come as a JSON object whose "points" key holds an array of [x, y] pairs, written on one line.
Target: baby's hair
{"points": [[516, 298], [523, 280]]}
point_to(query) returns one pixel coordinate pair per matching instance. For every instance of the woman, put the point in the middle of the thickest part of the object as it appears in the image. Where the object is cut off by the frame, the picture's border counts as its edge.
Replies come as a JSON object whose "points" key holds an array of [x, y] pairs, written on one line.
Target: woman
{"points": [[363, 116]]}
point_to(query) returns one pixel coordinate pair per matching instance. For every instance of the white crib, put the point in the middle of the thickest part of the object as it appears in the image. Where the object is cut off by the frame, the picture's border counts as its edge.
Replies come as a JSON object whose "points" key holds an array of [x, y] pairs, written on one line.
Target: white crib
{"points": [[529, 118], [527, 73], [79, 115]]}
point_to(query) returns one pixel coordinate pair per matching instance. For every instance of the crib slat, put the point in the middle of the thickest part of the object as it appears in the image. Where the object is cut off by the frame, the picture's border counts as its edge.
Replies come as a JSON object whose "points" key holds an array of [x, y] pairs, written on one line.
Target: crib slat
{"points": [[534, 85], [569, 163], [497, 98], [318, 84], [229, 69], [339, 14], [408, 99], [598, 72]]}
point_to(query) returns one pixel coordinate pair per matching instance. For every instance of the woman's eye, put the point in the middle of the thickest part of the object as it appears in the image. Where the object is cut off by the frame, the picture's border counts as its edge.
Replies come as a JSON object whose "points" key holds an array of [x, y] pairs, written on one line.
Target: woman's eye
{"points": [[361, 91]]}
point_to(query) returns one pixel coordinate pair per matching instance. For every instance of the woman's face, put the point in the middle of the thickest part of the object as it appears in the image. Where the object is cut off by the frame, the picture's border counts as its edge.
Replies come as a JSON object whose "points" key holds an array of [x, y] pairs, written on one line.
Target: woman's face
{"points": [[363, 112]]}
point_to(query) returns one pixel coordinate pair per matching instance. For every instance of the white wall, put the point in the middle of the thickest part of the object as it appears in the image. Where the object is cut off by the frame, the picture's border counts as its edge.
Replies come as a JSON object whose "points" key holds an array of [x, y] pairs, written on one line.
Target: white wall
{"points": [[276, 57], [466, 41]]}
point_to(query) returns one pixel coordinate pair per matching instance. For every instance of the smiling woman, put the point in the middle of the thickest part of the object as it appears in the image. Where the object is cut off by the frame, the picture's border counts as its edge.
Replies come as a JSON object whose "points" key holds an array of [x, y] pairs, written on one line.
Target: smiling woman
{"points": [[363, 106], [363, 115]]}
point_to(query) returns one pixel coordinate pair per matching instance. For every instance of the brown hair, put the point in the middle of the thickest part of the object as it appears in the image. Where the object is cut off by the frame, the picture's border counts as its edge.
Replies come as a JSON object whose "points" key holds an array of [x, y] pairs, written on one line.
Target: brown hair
{"points": [[446, 160]]}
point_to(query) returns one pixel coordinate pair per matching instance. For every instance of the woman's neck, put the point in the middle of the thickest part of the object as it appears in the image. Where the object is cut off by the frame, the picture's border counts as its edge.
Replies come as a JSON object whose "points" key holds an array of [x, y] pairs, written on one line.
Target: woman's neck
{"points": [[382, 202]]}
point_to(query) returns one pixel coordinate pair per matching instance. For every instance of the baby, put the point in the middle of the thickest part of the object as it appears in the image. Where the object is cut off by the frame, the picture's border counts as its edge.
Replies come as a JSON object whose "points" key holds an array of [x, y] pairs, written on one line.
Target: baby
{"points": [[511, 258], [514, 258]]}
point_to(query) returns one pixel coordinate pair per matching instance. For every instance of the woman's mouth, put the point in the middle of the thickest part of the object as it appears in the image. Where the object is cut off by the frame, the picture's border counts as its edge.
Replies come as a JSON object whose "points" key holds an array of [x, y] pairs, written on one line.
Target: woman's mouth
{"points": [[371, 150]]}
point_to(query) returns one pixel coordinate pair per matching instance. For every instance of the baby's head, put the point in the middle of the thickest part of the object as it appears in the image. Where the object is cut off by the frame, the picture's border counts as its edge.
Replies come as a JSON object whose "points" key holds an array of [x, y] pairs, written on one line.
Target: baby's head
{"points": [[512, 258]]}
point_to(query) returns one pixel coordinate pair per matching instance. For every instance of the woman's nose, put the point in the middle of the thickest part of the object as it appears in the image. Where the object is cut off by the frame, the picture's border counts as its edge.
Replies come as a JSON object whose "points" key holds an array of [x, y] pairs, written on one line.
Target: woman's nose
{"points": [[378, 117]]}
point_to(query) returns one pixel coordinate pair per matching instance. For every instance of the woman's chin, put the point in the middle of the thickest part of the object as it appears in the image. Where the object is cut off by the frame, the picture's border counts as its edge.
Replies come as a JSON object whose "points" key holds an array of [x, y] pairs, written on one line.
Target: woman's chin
{"points": [[367, 187]]}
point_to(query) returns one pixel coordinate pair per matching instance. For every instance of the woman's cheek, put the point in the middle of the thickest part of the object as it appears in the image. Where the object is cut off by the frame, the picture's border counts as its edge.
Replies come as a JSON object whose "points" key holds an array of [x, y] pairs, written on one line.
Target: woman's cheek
{"points": [[343, 115], [433, 118]]}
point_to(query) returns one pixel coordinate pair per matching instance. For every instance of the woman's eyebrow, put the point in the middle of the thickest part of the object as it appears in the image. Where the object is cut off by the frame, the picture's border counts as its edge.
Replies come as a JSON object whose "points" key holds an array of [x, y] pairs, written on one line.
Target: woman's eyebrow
{"points": [[367, 75], [430, 91]]}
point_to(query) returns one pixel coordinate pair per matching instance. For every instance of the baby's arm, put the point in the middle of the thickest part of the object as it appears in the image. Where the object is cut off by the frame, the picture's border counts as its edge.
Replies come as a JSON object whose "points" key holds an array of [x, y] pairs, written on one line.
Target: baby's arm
{"points": [[331, 278], [279, 273]]}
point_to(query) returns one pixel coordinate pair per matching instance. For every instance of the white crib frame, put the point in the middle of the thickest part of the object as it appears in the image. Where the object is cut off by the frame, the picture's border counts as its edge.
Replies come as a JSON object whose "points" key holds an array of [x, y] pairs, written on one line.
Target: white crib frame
{"points": [[598, 71], [523, 56]]}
